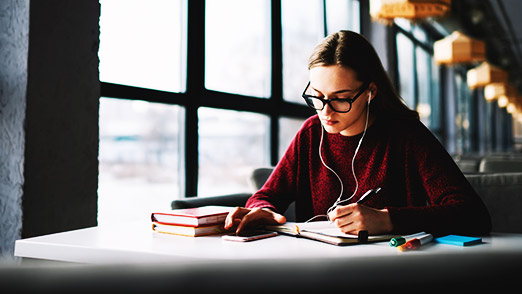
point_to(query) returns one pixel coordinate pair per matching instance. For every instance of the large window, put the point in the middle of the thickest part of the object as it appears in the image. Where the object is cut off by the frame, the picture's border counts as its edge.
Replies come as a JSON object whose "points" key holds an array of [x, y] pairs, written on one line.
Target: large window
{"points": [[418, 74], [181, 114]]}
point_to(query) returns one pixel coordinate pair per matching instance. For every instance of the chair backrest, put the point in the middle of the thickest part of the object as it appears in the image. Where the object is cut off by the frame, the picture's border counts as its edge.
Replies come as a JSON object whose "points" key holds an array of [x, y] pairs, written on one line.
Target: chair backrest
{"points": [[468, 165], [259, 177], [500, 165], [502, 194]]}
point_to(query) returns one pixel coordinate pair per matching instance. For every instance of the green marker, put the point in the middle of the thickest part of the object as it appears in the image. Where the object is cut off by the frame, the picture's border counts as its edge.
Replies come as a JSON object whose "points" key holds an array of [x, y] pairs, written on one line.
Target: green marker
{"points": [[395, 242]]}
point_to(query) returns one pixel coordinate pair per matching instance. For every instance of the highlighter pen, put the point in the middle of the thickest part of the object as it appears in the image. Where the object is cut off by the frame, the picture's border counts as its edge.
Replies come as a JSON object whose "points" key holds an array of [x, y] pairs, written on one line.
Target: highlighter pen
{"points": [[416, 243], [395, 242], [368, 193]]}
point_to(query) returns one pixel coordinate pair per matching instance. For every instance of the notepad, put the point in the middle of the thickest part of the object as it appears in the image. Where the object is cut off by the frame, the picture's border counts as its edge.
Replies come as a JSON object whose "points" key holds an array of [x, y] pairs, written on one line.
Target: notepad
{"points": [[458, 240], [324, 231]]}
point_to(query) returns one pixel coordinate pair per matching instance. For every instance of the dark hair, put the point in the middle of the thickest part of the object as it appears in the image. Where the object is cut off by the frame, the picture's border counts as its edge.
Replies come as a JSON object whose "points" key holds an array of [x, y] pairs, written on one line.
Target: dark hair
{"points": [[354, 51]]}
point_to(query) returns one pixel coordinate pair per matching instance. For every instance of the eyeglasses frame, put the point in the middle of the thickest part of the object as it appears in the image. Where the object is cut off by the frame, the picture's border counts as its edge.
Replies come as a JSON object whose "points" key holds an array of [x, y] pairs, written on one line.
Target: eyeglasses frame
{"points": [[306, 97]]}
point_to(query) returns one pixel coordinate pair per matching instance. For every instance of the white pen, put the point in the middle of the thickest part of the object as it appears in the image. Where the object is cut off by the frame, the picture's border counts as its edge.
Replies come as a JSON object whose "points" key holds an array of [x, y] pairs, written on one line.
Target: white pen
{"points": [[368, 194]]}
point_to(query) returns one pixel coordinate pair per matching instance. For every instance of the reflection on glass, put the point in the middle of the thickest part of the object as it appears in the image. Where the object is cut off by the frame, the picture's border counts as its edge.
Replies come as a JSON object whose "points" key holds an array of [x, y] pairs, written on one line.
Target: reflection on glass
{"points": [[288, 127], [302, 29], [142, 43], [231, 145], [406, 79], [342, 15], [237, 47], [139, 158]]}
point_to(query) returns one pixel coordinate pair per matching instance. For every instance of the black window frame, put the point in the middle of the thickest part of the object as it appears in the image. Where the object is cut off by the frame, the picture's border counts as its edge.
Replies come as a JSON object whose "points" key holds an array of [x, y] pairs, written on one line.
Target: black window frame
{"points": [[196, 95]]}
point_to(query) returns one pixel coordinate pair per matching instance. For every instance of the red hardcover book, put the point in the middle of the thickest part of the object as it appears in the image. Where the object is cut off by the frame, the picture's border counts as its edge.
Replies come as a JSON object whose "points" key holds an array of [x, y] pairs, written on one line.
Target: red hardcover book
{"points": [[195, 217], [188, 230]]}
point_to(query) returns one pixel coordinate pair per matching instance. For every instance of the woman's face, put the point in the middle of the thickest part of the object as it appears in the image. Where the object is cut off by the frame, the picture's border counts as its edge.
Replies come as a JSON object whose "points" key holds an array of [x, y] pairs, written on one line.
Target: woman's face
{"points": [[336, 81]]}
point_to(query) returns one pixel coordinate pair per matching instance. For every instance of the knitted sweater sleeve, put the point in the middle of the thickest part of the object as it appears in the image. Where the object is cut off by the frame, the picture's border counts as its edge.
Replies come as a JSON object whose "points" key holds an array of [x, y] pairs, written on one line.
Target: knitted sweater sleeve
{"points": [[453, 207]]}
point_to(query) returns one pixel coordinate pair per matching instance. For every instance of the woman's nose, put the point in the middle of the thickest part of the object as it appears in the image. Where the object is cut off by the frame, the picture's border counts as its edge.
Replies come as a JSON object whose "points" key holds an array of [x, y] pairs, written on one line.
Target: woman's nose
{"points": [[327, 110]]}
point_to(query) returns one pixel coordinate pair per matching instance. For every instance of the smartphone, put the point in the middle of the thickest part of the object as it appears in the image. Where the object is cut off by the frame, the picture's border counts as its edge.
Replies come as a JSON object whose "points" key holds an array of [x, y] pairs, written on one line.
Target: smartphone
{"points": [[249, 236]]}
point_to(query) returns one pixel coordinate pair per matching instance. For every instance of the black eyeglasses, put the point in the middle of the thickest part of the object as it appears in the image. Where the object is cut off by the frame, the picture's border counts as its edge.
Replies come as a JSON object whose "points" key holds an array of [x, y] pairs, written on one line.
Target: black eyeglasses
{"points": [[342, 105]]}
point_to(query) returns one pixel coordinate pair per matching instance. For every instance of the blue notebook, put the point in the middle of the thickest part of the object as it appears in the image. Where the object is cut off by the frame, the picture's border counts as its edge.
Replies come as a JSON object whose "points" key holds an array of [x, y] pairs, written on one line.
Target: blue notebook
{"points": [[458, 240]]}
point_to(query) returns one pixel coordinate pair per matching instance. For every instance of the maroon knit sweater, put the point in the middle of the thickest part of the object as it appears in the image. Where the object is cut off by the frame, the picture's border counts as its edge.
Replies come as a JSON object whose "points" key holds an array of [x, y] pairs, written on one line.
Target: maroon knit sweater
{"points": [[422, 187]]}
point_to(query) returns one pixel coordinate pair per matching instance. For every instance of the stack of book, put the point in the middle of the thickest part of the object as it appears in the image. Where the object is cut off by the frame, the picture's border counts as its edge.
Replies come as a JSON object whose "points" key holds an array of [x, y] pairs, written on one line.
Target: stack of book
{"points": [[193, 222]]}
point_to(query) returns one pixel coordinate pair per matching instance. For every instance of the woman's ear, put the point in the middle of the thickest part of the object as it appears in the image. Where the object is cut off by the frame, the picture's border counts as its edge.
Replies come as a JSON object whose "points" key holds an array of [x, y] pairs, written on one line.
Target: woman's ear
{"points": [[373, 90]]}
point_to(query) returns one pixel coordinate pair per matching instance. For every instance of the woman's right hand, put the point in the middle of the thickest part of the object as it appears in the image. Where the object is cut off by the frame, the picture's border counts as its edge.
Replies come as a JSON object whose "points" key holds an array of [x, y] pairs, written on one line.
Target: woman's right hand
{"points": [[251, 217]]}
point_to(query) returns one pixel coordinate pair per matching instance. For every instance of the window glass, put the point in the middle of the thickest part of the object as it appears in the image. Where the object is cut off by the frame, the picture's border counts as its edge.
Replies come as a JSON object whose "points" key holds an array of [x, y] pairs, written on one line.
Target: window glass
{"points": [[435, 117], [342, 15], [237, 47], [462, 116], [142, 43], [420, 34], [288, 127], [302, 29], [423, 78], [139, 158], [405, 64], [403, 23], [231, 145]]}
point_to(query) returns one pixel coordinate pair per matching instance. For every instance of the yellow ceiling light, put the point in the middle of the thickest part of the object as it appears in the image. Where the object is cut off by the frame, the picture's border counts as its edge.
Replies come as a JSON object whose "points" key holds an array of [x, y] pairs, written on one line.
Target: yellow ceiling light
{"points": [[495, 90], [503, 101], [485, 74], [387, 10], [459, 48]]}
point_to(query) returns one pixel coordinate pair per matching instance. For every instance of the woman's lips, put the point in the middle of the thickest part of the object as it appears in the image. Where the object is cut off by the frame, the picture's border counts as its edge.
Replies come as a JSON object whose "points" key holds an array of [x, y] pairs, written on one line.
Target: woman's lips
{"points": [[329, 122]]}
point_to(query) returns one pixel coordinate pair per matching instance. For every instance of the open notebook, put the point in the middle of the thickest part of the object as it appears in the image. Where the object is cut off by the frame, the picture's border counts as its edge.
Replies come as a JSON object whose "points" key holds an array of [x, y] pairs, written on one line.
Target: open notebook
{"points": [[325, 231]]}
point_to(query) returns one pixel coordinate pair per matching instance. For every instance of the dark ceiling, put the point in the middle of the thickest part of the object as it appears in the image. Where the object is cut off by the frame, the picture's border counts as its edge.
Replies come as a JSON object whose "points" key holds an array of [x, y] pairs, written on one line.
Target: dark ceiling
{"points": [[499, 24]]}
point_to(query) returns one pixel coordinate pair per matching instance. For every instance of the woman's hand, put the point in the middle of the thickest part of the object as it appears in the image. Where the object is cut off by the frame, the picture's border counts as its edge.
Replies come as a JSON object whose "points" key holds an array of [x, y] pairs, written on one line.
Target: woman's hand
{"points": [[251, 217], [354, 217]]}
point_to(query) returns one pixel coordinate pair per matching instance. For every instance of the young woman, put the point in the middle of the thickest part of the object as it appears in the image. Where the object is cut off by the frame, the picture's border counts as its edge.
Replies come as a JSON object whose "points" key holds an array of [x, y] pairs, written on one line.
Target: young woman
{"points": [[364, 137]]}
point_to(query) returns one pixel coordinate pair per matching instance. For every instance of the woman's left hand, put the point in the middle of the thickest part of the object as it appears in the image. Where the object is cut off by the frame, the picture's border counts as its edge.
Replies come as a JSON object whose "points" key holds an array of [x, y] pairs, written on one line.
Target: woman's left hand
{"points": [[354, 217]]}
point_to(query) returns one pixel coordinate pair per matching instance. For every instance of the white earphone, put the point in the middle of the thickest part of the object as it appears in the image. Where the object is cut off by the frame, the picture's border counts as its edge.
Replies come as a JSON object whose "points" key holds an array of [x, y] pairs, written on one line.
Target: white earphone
{"points": [[339, 201]]}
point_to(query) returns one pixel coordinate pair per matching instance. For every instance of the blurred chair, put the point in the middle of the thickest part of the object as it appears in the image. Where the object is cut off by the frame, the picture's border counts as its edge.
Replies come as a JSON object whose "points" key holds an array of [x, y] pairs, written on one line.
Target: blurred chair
{"points": [[239, 199], [502, 194], [500, 165], [257, 179], [468, 163]]}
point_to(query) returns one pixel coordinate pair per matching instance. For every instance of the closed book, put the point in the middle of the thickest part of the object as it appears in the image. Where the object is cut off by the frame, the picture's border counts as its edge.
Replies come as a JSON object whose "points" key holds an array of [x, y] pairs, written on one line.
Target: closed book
{"points": [[198, 216], [189, 231]]}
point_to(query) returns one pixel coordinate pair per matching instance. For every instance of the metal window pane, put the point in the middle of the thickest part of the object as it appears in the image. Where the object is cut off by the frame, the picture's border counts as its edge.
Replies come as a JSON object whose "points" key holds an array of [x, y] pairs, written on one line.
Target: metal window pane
{"points": [[405, 64], [288, 127], [424, 85], [231, 144], [143, 43], [237, 47], [342, 15], [140, 166], [302, 29]]}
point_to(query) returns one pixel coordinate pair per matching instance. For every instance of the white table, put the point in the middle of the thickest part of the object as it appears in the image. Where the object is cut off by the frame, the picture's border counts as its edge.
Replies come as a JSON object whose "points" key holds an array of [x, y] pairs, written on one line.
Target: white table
{"points": [[137, 243], [133, 255]]}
